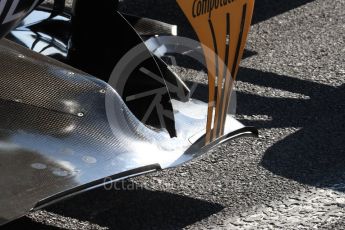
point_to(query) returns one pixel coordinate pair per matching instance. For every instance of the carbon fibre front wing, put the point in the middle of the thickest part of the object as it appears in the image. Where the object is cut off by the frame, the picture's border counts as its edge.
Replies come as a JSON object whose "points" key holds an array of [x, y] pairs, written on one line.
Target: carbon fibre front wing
{"points": [[63, 131]]}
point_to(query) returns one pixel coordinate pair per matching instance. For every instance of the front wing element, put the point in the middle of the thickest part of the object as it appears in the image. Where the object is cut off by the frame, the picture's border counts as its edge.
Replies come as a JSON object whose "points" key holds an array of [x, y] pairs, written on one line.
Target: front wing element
{"points": [[63, 131]]}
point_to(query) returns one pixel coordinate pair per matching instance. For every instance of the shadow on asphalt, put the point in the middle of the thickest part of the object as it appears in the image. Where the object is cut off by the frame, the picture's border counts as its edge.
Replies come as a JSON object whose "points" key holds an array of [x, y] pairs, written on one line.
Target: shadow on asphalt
{"points": [[266, 9], [168, 11], [27, 224], [314, 155], [131, 207]]}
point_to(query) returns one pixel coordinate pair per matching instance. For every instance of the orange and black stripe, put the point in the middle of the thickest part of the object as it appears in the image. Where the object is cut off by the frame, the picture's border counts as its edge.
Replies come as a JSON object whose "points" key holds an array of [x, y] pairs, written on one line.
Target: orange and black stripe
{"points": [[226, 41]]}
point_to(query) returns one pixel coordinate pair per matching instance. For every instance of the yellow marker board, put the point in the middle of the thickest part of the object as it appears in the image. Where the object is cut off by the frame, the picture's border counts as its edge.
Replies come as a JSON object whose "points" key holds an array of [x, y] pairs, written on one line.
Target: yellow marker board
{"points": [[222, 26]]}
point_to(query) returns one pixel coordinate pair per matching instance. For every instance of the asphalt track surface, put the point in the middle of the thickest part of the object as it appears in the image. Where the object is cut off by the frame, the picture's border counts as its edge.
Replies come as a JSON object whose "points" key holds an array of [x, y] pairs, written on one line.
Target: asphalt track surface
{"points": [[292, 87]]}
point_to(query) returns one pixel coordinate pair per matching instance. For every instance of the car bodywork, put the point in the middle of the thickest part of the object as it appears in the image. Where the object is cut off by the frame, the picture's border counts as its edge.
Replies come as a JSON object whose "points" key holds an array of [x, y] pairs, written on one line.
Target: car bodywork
{"points": [[65, 130]]}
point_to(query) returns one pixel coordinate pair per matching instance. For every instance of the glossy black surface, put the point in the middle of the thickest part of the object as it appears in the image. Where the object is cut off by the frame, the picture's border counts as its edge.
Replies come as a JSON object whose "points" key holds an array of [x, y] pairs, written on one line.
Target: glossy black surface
{"points": [[97, 51], [44, 35], [85, 45], [13, 11]]}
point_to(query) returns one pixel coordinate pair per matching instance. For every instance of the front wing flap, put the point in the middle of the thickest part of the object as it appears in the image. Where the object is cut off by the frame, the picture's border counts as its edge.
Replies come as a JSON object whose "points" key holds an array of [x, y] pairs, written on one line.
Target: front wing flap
{"points": [[63, 131]]}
